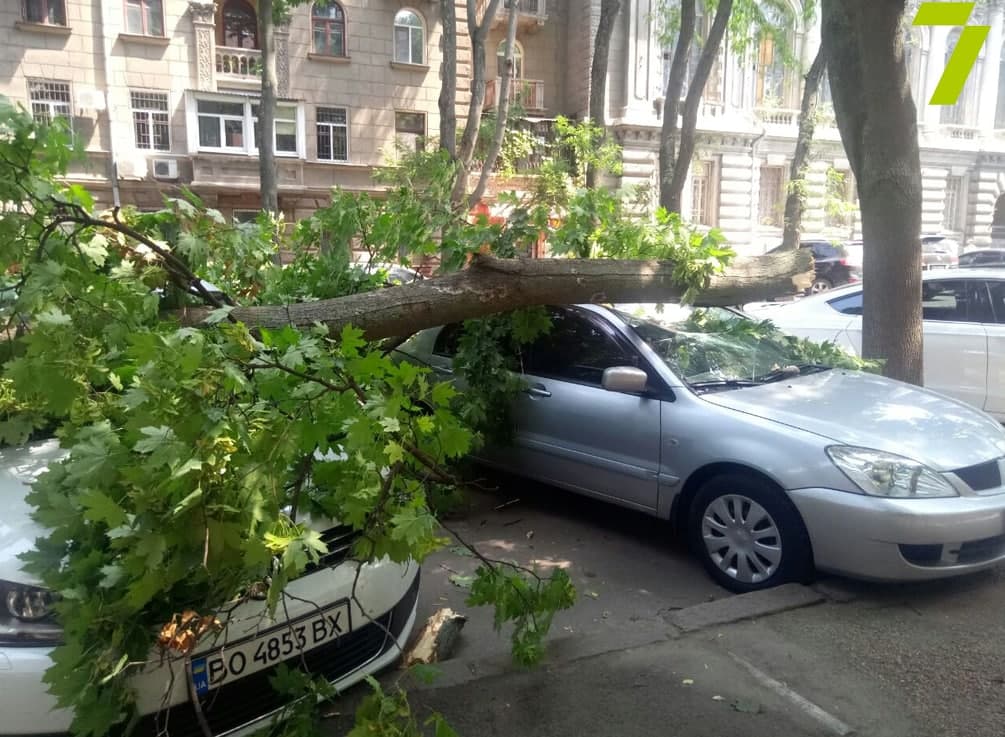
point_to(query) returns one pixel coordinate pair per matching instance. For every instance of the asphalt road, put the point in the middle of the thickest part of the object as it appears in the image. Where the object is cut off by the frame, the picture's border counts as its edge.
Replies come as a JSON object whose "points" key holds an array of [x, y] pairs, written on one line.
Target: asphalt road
{"points": [[914, 660]]}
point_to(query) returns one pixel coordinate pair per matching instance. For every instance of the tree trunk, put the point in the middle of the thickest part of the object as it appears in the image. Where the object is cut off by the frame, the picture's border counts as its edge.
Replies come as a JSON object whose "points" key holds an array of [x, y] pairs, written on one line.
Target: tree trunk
{"points": [[878, 123], [448, 77], [490, 285], [671, 100], [502, 110], [795, 201], [267, 108], [695, 91], [598, 72], [477, 33]]}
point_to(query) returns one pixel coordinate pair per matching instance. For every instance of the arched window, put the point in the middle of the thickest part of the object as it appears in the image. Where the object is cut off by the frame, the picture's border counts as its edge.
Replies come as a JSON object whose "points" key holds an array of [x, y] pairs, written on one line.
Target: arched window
{"points": [[517, 59], [409, 38], [328, 28], [238, 28], [960, 113]]}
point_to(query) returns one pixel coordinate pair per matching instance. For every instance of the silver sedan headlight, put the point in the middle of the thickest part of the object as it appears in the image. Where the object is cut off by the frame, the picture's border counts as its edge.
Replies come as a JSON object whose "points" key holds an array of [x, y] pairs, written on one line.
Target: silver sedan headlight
{"points": [[26, 615], [878, 473]]}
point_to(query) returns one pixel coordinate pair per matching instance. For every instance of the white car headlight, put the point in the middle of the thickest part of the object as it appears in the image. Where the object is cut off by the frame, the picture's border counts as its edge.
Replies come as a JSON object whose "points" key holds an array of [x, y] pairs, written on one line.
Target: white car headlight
{"points": [[878, 473], [26, 615]]}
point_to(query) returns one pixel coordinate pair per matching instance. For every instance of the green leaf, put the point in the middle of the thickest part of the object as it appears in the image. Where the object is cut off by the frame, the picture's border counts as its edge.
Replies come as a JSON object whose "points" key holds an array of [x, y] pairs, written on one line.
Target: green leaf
{"points": [[156, 438], [394, 452], [99, 507]]}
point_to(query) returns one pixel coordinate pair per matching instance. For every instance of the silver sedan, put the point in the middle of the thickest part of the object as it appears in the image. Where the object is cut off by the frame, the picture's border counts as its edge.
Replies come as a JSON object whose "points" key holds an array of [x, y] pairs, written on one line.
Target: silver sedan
{"points": [[771, 470]]}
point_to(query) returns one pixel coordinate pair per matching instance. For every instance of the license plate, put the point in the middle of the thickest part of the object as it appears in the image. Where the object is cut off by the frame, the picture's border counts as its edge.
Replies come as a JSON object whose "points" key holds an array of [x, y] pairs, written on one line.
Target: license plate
{"points": [[280, 643]]}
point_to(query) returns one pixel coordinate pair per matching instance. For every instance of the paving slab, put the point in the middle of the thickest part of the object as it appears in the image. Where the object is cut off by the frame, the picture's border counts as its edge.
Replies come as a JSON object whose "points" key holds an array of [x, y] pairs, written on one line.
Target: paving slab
{"points": [[744, 606]]}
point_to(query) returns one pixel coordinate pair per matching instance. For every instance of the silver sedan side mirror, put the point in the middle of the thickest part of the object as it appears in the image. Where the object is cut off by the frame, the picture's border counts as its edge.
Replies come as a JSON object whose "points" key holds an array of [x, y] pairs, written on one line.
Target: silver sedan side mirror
{"points": [[625, 379]]}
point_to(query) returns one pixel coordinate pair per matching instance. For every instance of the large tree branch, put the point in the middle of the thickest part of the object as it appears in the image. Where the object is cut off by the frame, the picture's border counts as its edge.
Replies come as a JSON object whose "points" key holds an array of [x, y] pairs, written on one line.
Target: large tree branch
{"points": [[492, 285]]}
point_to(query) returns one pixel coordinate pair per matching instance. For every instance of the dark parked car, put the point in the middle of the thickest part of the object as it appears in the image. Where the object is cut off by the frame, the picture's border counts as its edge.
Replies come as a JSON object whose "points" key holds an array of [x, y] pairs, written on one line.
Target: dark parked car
{"points": [[984, 257], [833, 265], [938, 252]]}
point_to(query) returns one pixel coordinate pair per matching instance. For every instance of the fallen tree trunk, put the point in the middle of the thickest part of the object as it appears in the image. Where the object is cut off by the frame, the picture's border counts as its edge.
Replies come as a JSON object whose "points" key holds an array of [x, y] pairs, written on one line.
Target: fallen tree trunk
{"points": [[491, 285]]}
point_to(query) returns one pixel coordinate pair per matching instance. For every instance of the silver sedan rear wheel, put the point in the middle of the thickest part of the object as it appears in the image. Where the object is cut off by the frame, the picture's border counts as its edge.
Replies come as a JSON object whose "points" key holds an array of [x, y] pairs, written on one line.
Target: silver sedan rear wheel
{"points": [[741, 538]]}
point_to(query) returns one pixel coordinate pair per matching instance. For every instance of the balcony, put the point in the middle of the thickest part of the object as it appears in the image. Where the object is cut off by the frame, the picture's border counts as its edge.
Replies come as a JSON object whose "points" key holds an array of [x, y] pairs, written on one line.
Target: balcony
{"points": [[778, 117], [238, 65], [531, 13], [528, 93]]}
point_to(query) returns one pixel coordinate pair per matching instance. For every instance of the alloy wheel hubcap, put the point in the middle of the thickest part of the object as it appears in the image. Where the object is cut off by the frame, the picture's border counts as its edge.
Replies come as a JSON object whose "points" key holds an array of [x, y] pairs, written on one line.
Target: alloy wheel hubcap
{"points": [[819, 286], [741, 538]]}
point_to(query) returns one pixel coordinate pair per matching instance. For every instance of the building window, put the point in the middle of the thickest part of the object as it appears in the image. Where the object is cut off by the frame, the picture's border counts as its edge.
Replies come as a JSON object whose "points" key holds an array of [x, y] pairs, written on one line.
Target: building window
{"points": [[410, 129], [771, 204], [770, 75], [285, 128], [960, 113], [48, 12], [713, 87], [517, 60], [50, 100], [231, 126], [246, 216], [328, 28], [333, 133], [704, 205], [150, 120], [952, 214], [145, 17], [238, 26], [409, 38]]}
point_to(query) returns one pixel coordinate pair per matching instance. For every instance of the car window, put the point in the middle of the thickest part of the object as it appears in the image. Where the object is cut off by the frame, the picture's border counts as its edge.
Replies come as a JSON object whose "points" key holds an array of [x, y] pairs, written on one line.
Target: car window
{"points": [[824, 250], [578, 348], [848, 305], [955, 300], [447, 340], [997, 290]]}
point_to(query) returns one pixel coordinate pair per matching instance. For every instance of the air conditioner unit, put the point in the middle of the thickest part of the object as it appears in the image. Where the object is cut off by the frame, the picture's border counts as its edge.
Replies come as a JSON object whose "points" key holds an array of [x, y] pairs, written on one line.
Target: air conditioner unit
{"points": [[89, 98], [165, 169]]}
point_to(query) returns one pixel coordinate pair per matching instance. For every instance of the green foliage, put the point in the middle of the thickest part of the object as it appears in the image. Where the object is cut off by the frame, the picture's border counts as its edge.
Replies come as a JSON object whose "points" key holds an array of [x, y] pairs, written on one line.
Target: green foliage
{"points": [[388, 714]]}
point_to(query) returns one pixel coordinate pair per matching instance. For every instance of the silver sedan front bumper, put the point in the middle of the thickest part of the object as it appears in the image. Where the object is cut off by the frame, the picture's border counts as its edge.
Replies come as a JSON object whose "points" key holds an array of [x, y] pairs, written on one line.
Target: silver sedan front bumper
{"points": [[902, 539]]}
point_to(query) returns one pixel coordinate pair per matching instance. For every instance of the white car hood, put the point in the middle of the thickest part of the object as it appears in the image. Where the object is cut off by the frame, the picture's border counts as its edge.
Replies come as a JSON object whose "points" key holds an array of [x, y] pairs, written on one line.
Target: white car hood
{"points": [[18, 532], [874, 412]]}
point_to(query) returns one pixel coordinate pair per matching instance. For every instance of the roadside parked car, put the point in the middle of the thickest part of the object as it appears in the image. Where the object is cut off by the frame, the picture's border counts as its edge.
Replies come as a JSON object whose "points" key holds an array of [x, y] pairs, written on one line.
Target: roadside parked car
{"points": [[770, 470], [964, 326], [342, 639], [832, 265], [983, 257], [939, 252]]}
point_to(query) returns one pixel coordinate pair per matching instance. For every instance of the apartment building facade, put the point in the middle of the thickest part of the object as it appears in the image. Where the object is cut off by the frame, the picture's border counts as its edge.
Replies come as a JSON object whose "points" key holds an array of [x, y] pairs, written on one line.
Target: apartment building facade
{"points": [[163, 94]]}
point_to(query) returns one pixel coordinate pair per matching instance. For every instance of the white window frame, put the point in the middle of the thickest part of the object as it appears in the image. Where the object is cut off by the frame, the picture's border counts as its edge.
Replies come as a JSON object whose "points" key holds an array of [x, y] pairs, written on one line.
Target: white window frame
{"points": [[147, 114], [411, 29], [52, 106], [249, 147], [295, 120], [332, 127]]}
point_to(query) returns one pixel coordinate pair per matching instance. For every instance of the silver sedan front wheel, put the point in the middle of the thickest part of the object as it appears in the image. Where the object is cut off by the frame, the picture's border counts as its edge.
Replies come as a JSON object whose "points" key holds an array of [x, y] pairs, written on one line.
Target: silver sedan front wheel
{"points": [[741, 538]]}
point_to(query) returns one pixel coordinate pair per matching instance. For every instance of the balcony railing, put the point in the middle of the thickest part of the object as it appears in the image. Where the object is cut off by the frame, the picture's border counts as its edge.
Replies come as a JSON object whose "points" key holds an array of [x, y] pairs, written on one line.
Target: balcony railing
{"points": [[778, 116], [961, 132], [530, 12], [238, 64], [528, 93]]}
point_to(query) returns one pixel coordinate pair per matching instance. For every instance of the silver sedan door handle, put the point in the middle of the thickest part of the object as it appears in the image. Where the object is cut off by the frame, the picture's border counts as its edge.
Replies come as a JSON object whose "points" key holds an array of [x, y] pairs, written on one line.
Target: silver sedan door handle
{"points": [[537, 391]]}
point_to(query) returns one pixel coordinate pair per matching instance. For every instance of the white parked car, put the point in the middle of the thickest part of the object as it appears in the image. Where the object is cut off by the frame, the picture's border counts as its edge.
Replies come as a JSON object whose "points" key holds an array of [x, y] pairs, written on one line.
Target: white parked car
{"points": [[964, 324], [331, 635]]}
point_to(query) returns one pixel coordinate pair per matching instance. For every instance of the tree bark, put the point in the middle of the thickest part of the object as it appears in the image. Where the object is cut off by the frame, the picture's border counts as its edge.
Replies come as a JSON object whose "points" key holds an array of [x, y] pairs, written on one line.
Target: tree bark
{"points": [[448, 78], [877, 119], [695, 91], [671, 100], [598, 72], [477, 33], [490, 285], [502, 110], [267, 108], [795, 201]]}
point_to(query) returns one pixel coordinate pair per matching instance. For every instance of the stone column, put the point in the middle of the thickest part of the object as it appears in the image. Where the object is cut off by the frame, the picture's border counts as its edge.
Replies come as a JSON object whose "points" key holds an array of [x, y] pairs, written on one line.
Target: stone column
{"points": [[204, 22], [735, 197], [933, 198], [283, 59], [984, 191], [988, 97]]}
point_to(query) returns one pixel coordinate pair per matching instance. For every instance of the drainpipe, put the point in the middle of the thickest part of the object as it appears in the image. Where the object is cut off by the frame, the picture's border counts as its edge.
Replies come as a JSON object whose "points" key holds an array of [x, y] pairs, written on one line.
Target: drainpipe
{"points": [[754, 201], [107, 41]]}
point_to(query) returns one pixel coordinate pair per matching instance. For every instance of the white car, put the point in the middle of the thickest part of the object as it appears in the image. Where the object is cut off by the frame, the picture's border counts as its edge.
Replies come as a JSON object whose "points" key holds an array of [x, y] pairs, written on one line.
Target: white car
{"points": [[331, 635], [964, 325]]}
